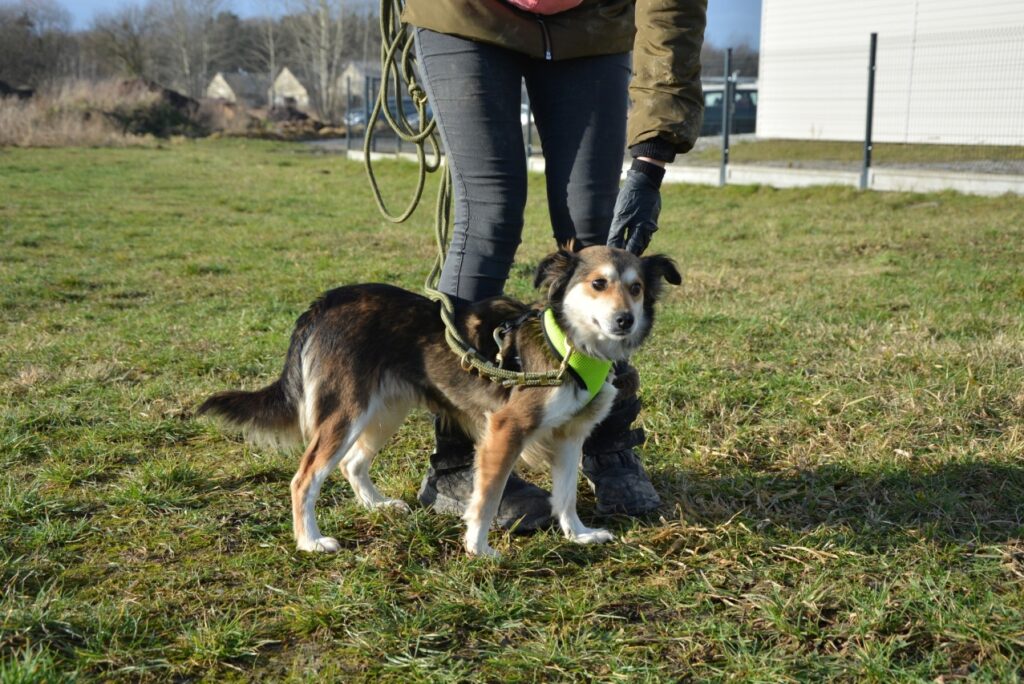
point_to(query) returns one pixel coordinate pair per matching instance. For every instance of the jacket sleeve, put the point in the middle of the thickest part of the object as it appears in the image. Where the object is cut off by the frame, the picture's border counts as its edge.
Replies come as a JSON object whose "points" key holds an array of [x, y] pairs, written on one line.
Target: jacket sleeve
{"points": [[667, 101]]}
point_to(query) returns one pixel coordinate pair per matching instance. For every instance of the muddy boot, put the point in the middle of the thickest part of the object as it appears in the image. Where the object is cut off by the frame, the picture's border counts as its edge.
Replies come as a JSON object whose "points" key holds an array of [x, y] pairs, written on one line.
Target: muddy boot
{"points": [[609, 461], [448, 486]]}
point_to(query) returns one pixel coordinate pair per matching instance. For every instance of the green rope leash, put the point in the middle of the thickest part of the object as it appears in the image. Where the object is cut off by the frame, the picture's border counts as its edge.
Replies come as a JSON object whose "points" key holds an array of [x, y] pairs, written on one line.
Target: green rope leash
{"points": [[397, 70]]}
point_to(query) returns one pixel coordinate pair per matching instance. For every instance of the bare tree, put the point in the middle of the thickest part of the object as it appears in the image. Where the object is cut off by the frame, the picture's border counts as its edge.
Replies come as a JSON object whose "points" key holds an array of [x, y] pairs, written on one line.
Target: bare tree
{"points": [[189, 41], [126, 38], [745, 60], [266, 53], [317, 30], [34, 40]]}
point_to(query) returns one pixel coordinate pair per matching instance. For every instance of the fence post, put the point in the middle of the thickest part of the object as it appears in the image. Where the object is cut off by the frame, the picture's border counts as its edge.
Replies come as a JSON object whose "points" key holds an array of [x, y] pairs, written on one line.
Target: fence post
{"points": [[366, 101], [401, 118], [348, 113], [398, 137], [865, 169], [369, 83], [726, 116]]}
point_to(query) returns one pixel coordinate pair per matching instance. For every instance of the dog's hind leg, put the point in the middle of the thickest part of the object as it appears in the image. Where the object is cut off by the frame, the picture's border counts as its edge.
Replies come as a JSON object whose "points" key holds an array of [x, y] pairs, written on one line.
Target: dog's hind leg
{"points": [[382, 424], [331, 440], [564, 475]]}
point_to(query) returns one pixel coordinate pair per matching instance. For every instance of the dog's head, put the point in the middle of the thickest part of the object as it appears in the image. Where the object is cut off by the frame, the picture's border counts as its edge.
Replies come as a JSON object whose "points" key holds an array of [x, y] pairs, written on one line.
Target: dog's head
{"points": [[604, 297]]}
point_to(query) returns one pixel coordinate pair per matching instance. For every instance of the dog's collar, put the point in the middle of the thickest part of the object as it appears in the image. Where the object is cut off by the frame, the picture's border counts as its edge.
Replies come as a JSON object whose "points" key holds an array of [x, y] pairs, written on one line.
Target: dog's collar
{"points": [[589, 372]]}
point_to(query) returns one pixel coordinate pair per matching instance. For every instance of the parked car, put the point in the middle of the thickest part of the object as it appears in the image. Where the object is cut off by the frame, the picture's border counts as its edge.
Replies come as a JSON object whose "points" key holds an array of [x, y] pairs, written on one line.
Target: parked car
{"points": [[355, 118], [409, 110], [744, 109]]}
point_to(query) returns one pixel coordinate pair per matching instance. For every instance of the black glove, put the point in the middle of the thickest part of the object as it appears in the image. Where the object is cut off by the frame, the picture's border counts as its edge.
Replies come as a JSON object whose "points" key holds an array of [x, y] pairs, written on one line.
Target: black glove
{"points": [[637, 208]]}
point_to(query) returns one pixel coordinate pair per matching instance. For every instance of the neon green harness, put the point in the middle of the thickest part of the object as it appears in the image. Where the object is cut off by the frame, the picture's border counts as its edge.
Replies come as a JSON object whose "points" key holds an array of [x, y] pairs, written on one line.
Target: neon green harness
{"points": [[588, 371]]}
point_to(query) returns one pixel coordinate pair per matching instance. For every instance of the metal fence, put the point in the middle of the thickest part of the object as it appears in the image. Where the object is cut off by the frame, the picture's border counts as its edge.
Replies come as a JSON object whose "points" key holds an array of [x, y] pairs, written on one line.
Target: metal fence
{"points": [[950, 103]]}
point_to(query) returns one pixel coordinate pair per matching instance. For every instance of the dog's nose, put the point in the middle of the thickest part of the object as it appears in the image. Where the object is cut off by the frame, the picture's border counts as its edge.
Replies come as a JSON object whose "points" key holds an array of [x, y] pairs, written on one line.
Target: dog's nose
{"points": [[624, 321]]}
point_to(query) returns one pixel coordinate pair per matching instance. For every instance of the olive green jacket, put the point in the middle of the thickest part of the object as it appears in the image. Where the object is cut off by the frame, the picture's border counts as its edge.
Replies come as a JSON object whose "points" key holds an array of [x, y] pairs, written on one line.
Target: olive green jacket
{"points": [[664, 35]]}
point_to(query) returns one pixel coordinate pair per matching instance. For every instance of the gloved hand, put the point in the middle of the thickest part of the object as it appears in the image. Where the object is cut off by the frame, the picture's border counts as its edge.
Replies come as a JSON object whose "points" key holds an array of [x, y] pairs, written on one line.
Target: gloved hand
{"points": [[636, 211]]}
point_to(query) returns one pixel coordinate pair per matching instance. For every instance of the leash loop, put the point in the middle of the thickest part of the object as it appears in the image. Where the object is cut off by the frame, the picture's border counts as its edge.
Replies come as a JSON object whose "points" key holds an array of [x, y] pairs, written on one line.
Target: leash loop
{"points": [[398, 70]]}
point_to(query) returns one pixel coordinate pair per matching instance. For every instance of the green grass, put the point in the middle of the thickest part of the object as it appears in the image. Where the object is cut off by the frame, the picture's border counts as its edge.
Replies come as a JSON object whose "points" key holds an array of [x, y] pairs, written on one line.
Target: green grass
{"points": [[834, 402], [851, 154]]}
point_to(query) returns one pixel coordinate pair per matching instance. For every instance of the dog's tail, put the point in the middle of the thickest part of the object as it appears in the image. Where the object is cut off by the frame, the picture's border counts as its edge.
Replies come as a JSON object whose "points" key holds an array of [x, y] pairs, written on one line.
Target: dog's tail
{"points": [[267, 416], [270, 416]]}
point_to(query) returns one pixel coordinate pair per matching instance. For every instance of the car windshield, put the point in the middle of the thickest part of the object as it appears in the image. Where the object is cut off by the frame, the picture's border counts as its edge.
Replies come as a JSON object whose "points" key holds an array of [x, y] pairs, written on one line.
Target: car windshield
{"points": [[743, 99]]}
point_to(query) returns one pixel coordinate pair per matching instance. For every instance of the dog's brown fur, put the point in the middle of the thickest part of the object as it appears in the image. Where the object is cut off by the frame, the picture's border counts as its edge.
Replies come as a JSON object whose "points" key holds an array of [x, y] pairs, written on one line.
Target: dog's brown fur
{"points": [[362, 356]]}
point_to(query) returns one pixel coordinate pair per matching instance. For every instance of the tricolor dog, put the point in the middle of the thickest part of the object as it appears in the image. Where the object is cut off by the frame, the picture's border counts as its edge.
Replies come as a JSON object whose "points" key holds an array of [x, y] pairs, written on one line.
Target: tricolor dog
{"points": [[363, 356]]}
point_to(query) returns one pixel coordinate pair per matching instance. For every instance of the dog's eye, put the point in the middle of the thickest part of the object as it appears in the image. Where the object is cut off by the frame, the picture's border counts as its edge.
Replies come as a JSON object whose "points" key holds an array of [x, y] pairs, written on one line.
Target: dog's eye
{"points": [[635, 289], [599, 284]]}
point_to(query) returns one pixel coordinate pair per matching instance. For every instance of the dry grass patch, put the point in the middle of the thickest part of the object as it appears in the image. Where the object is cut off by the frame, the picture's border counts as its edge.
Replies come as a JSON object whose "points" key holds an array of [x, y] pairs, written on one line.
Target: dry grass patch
{"points": [[73, 114]]}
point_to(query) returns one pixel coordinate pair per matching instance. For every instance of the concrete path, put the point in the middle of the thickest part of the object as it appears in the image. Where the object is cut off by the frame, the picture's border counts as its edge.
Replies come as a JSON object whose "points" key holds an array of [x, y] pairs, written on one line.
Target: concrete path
{"points": [[902, 180], [885, 179]]}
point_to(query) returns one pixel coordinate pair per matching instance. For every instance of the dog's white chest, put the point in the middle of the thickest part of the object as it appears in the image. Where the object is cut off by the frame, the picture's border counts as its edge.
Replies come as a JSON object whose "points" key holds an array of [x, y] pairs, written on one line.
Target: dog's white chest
{"points": [[571, 401]]}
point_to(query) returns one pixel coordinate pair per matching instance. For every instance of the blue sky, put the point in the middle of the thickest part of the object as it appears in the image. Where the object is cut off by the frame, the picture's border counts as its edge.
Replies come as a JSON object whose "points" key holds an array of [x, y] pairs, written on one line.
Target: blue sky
{"points": [[730, 22]]}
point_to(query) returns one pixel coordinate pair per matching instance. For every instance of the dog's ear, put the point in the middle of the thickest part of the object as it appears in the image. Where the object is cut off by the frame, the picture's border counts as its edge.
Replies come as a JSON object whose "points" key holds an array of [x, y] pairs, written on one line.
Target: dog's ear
{"points": [[660, 266], [554, 268], [655, 268], [571, 245]]}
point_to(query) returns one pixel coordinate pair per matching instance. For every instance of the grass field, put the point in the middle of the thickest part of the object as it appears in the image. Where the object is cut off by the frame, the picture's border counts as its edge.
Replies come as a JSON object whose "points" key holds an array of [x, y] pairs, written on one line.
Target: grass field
{"points": [[834, 404], [1006, 159]]}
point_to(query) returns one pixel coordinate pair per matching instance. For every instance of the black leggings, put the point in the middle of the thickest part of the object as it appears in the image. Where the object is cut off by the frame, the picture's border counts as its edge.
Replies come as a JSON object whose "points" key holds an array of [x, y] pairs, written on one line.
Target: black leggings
{"points": [[579, 106]]}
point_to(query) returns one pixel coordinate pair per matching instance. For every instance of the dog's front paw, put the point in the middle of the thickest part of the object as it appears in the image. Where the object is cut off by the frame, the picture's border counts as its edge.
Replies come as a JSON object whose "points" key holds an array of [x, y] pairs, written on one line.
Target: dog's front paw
{"points": [[319, 545], [476, 545], [482, 552], [593, 537], [395, 505]]}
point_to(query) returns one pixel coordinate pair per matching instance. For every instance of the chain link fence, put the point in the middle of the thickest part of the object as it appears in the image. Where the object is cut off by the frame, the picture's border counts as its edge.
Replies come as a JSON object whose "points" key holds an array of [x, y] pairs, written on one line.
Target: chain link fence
{"points": [[942, 103], [950, 103]]}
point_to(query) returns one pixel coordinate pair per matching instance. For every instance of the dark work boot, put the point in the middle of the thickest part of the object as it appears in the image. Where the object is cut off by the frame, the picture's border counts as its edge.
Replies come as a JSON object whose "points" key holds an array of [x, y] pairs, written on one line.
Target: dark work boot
{"points": [[448, 486], [609, 461]]}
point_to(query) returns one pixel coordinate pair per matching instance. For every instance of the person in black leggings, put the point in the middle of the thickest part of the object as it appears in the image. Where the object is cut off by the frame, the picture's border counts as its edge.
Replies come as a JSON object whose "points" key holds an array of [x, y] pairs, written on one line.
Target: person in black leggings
{"points": [[580, 107]]}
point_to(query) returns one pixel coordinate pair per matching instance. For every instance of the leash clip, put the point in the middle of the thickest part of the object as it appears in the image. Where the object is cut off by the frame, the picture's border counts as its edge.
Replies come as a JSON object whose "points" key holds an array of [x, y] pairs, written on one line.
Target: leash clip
{"points": [[498, 335]]}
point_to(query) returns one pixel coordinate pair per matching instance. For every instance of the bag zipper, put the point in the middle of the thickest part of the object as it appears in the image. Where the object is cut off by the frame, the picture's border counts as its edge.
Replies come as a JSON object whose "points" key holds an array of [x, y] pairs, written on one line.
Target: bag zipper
{"points": [[547, 37]]}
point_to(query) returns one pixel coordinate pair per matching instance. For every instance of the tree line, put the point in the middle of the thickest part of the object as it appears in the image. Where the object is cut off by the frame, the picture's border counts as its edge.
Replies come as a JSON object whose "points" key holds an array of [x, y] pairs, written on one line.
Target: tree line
{"points": [[745, 60], [182, 44]]}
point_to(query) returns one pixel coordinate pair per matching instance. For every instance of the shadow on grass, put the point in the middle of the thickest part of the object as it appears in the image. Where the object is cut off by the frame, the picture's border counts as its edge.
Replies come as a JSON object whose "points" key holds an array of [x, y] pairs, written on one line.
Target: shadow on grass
{"points": [[965, 502], [971, 502]]}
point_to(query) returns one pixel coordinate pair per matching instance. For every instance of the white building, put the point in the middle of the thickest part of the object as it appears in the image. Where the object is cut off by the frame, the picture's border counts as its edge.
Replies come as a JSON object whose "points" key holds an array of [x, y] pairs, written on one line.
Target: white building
{"points": [[947, 71], [354, 76], [237, 88], [287, 89]]}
